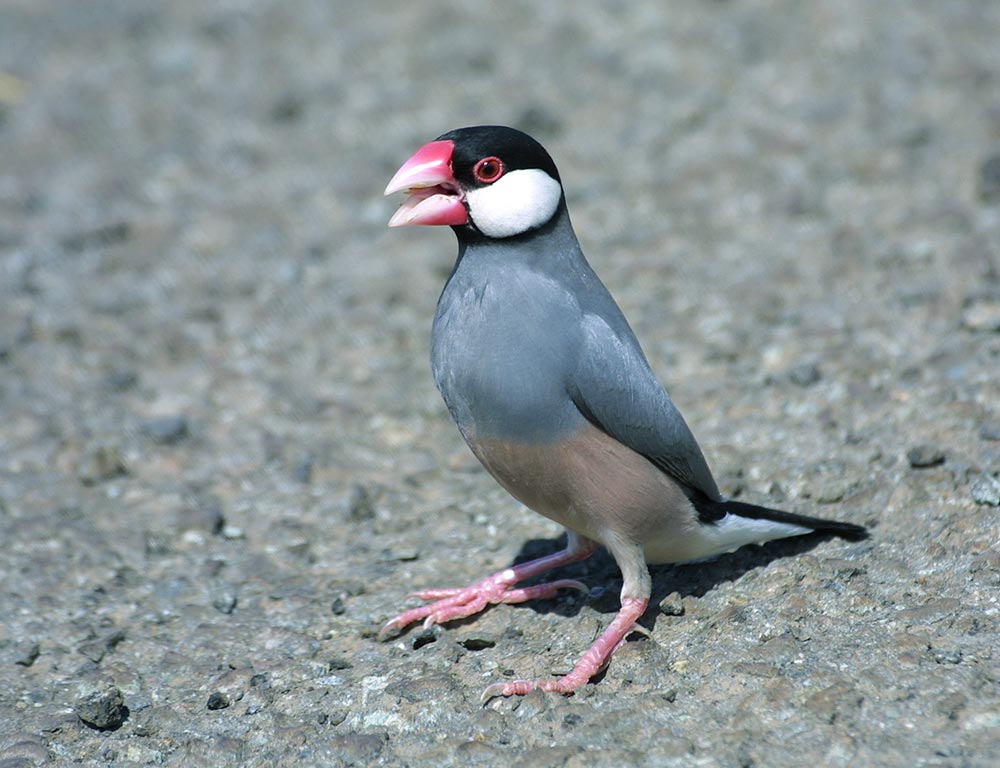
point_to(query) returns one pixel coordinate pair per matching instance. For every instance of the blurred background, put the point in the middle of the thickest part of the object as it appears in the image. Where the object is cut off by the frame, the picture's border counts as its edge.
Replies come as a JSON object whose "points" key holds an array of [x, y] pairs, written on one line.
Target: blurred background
{"points": [[223, 460]]}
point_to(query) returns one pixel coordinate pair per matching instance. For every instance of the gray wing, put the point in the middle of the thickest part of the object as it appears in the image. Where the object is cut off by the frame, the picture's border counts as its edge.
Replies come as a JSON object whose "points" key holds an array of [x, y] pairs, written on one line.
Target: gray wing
{"points": [[616, 390]]}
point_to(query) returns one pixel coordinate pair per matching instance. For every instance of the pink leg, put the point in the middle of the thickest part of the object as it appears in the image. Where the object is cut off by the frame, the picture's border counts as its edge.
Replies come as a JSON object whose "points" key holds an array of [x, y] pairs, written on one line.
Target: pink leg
{"points": [[451, 604], [589, 664]]}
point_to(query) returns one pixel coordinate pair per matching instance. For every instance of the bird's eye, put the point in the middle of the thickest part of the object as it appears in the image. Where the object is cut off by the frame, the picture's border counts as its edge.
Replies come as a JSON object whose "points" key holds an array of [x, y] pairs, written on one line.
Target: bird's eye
{"points": [[488, 170]]}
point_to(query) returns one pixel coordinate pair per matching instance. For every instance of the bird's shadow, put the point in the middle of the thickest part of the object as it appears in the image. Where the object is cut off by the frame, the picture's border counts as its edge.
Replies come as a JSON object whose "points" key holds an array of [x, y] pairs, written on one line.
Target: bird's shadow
{"points": [[601, 573]]}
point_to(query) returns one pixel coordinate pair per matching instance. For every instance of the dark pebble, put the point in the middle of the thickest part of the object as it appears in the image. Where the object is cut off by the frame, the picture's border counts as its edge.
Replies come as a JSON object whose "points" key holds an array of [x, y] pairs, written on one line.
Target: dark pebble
{"points": [[225, 601], [27, 653], [104, 710], [99, 237], [989, 179], [425, 637], [539, 120], [805, 374], [671, 605], [106, 462], [572, 719], [120, 381], [337, 716], [923, 456], [166, 430], [303, 471], [287, 109], [203, 513], [477, 642], [338, 663], [96, 649], [990, 431], [360, 505], [218, 700]]}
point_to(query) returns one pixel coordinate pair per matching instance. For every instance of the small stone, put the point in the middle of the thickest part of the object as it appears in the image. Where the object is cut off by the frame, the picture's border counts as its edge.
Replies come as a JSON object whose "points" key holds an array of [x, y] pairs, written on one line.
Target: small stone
{"points": [[338, 663], [287, 109], [225, 601], [27, 653], [830, 491], [24, 754], [477, 642], [104, 710], [425, 637], [805, 374], [121, 380], [358, 748], [337, 716], [218, 700], [102, 236], [672, 605], [104, 463], [982, 316], [360, 505], [989, 179], [203, 513], [986, 490], [406, 554], [303, 470], [572, 719], [166, 430], [924, 456], [338, 606], [97, 649], [990, 431]]}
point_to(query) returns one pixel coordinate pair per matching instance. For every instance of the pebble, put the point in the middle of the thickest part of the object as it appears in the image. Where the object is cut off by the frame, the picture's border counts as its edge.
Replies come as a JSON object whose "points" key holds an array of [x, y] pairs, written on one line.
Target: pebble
{"points": [[105, 462], [104, 710], [804, 374], [990, 431], [986, 490], [982, 316], [672, 605], [202, 514], [218, 700], [477, 641], [923, 456], [359, 748], [225, 601], [97, 648], [166, 430], [26, 653], [989, 180], [360, 504]]}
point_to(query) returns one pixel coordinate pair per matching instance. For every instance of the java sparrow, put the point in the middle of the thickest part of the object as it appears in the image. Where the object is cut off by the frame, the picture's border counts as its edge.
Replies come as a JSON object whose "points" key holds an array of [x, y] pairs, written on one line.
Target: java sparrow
{"points": [[552, 392]]}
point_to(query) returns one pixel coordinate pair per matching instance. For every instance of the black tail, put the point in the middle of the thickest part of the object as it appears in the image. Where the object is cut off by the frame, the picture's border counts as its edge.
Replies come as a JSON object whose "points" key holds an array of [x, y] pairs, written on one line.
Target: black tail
{"points": [[712, 511]]}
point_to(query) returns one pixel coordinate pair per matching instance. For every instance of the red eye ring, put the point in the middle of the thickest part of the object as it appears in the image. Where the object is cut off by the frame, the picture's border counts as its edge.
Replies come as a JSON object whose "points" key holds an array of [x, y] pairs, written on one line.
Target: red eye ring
{"points": [[488, 170]]}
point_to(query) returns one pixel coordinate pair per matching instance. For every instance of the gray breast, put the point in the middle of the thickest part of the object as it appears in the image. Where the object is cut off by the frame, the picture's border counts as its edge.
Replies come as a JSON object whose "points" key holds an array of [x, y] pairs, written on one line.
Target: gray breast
{"points": [[503, 346]]}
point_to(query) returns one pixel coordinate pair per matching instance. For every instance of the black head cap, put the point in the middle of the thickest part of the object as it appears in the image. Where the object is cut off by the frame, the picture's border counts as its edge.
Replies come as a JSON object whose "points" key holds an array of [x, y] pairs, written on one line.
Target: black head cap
{"points": [[516, 149]]}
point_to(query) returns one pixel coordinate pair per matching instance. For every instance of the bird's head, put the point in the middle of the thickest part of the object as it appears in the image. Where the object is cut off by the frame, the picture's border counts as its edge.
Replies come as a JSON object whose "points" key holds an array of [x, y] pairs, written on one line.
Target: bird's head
{"points": [[488, 179]]}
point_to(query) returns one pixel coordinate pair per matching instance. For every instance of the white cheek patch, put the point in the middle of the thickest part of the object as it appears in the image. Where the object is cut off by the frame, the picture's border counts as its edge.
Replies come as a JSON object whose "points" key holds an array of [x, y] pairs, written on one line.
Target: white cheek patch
{"points": [[519, 201]]}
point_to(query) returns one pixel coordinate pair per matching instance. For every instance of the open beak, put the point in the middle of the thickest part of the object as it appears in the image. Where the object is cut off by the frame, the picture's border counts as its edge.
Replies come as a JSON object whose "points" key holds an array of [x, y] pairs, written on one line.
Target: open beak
{"points": [[434, 197]]}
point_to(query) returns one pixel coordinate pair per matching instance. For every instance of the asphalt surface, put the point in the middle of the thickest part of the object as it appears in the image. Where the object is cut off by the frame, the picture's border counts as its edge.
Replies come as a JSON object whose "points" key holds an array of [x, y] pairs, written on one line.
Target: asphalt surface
{"points": [[223, 462]]}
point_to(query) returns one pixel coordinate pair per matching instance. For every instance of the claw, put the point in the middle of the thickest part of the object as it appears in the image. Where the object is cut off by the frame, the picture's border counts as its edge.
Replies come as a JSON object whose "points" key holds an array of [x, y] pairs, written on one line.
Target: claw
{"points": [[390, 629]]}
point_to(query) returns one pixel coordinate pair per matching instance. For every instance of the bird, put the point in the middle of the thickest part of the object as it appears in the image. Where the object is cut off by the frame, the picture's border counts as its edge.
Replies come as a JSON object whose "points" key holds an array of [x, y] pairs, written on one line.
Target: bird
{"points": [[550, 389]]}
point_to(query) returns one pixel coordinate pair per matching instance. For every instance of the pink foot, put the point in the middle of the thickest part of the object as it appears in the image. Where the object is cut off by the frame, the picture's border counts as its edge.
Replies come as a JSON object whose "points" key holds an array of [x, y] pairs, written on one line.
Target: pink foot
{"points": [[592, 662], [451, 604]]}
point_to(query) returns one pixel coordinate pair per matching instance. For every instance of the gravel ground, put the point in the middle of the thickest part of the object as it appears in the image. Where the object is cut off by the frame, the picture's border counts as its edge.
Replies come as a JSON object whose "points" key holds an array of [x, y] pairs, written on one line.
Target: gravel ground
{"points": [[223, 462]]}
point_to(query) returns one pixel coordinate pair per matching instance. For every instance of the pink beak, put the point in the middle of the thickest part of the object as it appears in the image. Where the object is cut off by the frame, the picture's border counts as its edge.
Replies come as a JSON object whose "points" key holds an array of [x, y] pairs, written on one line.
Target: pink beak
{"points": [[434, 195]]}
